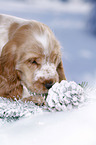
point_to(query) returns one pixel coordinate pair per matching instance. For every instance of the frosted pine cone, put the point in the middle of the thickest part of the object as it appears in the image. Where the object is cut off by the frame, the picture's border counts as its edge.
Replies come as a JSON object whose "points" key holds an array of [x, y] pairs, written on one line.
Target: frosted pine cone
{"points": [[64, 95]]}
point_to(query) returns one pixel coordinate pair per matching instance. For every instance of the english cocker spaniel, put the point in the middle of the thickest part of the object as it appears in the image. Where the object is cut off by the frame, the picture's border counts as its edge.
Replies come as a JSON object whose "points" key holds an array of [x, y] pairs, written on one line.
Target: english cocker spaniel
{"points": [[30, 59]]}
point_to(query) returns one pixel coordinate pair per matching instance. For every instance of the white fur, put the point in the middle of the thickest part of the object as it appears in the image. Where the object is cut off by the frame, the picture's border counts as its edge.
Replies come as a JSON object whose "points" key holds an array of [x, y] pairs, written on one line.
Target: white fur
{"points": [[43, 39], [26, 94], [5, 22], [47, 71]]}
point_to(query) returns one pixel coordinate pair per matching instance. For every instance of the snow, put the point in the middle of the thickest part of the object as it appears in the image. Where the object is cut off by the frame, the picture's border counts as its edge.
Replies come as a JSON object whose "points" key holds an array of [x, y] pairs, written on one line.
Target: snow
{"points": [[70, 127], [47, 71]]}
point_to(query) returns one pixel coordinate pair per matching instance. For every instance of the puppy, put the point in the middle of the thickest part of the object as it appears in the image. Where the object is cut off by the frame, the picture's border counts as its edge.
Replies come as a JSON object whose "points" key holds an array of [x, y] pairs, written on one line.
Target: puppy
{"points": [[30, 59]]}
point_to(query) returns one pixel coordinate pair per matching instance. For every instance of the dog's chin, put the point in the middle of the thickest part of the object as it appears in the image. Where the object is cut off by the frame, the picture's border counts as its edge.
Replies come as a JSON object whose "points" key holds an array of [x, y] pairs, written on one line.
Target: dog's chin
{"points": [[38, 90]]}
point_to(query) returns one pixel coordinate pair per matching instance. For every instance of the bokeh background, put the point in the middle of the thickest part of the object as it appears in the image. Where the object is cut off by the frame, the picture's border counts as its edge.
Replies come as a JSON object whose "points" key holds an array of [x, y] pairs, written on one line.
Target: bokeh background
{"points": [[74, 24]]}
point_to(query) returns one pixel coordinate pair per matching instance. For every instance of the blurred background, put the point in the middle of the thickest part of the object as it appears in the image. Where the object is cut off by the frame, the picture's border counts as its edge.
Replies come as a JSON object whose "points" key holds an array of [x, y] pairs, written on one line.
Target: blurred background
{"points": [[73, 23]]}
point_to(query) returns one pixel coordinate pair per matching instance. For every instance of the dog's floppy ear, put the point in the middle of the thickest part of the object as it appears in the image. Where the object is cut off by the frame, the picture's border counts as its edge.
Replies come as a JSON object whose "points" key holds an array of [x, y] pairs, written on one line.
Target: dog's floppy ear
{"points": [[60, 71], [10, 78], [8, 61]]}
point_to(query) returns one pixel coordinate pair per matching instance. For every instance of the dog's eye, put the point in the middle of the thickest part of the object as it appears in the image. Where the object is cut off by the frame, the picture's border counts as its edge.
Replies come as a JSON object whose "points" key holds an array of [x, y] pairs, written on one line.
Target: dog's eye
{"points": [[32, 61]]}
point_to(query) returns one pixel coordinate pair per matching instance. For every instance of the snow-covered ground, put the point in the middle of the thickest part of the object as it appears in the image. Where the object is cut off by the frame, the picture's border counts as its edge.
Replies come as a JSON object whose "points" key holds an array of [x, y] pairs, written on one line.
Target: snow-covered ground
{"points": [[76, 126]]}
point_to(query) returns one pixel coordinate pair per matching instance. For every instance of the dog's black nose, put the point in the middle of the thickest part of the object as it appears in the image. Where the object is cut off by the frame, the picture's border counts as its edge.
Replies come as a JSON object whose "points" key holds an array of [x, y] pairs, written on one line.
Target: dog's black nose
{"points": [[49, 85]]}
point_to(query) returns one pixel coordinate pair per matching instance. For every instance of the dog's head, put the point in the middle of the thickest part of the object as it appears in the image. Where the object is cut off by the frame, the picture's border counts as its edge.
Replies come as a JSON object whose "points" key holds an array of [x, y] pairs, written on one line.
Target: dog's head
{"points": [[34, 54]]}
